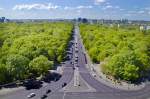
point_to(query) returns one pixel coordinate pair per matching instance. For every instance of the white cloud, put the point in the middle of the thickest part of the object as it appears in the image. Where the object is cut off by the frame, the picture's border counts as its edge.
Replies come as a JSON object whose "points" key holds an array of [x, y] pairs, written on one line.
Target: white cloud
{"points": [[132, 12], [77, 8], [138, 12], [147, 8], [78, 11], [117, 7], [99, 1], [122, 9], [107, 7], [141, 12], [110, 7], [67, 8], [84, 7], [35, 6], [1, 8], [47, 7], [128, 14]]}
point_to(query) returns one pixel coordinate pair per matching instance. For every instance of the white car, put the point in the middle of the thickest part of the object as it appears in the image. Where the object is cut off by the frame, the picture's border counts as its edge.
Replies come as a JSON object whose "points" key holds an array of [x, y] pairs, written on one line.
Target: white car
{"points": [[31, 95]]}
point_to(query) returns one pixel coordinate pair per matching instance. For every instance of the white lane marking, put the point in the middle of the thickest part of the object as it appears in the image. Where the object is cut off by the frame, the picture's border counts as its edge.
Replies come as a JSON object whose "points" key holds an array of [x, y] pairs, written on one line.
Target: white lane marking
{"points": [[64, 93]]}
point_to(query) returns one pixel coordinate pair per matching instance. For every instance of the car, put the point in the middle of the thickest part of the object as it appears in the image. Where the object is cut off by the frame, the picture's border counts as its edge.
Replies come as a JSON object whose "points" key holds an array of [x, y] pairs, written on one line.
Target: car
{"points": [[64, 84], [48, 91], [76, 60], [44, 96], [94, 75], [73, 68], [76, 55], [67, 57], [76, 51], [76, 48], [31, 95], [72, 63]]}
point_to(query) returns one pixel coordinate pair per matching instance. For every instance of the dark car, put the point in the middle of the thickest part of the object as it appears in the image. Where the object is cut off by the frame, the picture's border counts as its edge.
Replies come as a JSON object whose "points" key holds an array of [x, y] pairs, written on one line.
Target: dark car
{"points": [[48, 91], [76, 60], [44, 96], [68, 57], [73, 68], [71, 63], [64, 84]]}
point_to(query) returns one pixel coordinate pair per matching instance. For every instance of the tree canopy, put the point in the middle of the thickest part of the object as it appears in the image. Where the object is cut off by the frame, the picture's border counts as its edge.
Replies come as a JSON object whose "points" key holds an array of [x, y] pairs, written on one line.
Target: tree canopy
{"points": [[124, 50], [28, 48]]}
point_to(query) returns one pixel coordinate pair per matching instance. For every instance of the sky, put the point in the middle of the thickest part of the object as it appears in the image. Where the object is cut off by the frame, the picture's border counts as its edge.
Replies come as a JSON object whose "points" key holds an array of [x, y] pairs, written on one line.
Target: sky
{"points": [[69, 9]]}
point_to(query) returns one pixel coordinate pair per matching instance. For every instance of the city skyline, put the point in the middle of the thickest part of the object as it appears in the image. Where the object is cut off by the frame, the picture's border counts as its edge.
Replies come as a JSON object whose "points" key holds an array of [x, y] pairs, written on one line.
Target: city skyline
{"points": [[67, 9]]}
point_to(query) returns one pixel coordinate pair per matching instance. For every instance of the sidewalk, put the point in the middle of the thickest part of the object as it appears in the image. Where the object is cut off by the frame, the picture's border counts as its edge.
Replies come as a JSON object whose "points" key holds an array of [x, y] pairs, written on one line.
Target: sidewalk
{"points": [[122, 85], [5, 91]]}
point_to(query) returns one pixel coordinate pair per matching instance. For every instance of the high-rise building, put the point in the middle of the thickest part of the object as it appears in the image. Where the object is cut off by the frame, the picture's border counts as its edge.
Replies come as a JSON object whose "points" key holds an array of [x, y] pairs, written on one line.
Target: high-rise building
{"points": [[144, 27], [3, 19]]}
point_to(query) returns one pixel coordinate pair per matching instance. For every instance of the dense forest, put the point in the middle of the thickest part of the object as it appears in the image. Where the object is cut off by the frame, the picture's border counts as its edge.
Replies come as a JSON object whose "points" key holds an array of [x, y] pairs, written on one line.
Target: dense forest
{"points": [[31, 49], [124, 50]]}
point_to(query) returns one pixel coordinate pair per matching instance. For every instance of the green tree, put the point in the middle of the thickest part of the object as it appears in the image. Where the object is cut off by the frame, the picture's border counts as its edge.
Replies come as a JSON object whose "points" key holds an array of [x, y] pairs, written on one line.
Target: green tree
{"points": [[17, 66], [40, 65], [123, 50], [22, 42], [118, 65], [4, 76], [131, 72]]}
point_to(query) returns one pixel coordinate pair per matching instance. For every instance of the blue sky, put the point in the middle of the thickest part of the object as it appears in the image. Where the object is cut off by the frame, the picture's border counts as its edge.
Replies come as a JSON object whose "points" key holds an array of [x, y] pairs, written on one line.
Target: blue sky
{"points": [[107, 9]]}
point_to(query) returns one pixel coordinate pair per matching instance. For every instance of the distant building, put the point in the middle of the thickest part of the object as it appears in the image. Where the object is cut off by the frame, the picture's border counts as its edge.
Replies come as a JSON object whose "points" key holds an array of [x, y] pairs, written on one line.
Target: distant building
{"points": [[83, 20], [144, 27], [148, 28], [3, 20], [111, 25], [118, 25], [141, 28], [124, 21]]}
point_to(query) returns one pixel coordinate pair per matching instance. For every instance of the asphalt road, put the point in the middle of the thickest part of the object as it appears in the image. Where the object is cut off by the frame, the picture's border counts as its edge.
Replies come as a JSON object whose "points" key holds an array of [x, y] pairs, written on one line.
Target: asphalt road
{"points": [[102, 91]]}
